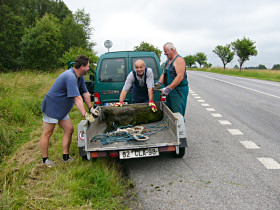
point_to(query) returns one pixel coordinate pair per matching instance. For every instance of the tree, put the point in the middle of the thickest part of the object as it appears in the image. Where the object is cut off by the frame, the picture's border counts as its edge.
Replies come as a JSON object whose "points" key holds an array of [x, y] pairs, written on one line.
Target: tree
{"points": [[81, 18], [201, 58], [72, 38], [76, 51], [190, 60], [207, 65], [276, 67], [11, 32], [144, 46], [41, 46], [225, 53], [244, 48], [261, 66]]}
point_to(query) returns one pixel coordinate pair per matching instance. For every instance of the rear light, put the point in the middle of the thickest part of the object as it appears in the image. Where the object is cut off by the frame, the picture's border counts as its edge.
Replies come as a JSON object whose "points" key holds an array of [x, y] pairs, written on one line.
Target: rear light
{"points": [[167, 149], [114, 154], [98, 154], [162, 98], [97, 99]]}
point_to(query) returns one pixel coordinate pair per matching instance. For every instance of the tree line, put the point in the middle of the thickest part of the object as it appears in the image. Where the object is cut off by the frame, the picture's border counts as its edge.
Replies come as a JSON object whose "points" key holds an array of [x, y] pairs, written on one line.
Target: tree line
{"points": [[42, 34], [242, 48]]}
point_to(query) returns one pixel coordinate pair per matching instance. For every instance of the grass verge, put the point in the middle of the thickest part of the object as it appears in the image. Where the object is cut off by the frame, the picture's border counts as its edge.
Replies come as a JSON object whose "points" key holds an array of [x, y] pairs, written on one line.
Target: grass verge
{"points": [[28, 184], [270, 75]]}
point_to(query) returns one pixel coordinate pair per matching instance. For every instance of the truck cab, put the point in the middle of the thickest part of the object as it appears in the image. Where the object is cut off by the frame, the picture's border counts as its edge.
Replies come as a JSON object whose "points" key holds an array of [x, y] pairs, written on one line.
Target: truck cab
{"points": [[111, 72]]}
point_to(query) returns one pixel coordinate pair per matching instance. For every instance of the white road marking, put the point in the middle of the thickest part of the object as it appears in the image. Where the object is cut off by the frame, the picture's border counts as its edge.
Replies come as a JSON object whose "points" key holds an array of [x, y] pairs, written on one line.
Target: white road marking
{"points": [[194, 94], [269, 163], [235, 131], [224, 122], [210, 109], [197, 97], [239, 86], [216, 115], [201, 100], [205, 105], [249, 145]]}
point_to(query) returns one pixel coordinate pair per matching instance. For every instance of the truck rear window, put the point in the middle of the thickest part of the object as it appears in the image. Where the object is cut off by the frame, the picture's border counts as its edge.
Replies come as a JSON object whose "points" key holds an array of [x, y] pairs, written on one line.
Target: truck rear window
{"points": [[150, 62], [113, 70]]}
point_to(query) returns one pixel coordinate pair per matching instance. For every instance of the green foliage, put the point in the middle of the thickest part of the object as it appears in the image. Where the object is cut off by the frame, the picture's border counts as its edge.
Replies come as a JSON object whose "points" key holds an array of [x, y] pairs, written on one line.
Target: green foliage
{"points": [[225, 53], [82, 19], [190, 60], [276, 67], [11, 32], [201, 58], [27, 184], [20, 99], [41, 46], [19, 28], [244, 48], [207, 65], [74, 52], [144, 46], [72, 34]]}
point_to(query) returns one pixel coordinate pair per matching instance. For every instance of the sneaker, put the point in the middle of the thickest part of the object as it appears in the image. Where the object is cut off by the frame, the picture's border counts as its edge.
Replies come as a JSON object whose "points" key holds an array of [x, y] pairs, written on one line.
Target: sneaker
{"points": [[70, 159], [49, 163]]}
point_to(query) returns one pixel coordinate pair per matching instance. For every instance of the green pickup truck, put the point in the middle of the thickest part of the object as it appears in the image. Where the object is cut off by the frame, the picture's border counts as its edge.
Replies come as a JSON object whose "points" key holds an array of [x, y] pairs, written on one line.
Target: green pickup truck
{"points": [[106, 83]]}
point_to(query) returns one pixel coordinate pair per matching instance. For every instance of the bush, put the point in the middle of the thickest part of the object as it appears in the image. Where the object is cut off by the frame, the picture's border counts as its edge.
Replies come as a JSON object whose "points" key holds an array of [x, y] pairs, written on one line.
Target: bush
{"points": [[74, 52]]}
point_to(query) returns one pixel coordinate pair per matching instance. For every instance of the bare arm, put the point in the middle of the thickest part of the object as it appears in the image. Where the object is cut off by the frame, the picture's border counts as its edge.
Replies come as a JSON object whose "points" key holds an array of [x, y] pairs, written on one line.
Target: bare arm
{"points": [[80, 104], [87, 99], [151, 94], [180, 67], [161, 78], [123, 95]]}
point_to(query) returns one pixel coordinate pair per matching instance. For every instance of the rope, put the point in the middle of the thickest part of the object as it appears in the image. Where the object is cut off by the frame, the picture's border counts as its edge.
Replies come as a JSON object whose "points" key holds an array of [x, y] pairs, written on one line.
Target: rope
{"points": [[128, 132]]}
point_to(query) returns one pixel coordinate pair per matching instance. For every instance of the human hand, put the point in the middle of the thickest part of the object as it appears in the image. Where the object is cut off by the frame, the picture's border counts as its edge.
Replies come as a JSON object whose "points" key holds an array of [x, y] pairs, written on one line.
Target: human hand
{"points": [[157, 85], [89, 117], [118, 104], [166, 91], [152, 105], [94, 112]]}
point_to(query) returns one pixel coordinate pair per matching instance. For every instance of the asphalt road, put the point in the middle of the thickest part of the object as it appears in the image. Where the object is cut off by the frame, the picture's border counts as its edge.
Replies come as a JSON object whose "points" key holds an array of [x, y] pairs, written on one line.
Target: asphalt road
{"points": [[233, 156]]}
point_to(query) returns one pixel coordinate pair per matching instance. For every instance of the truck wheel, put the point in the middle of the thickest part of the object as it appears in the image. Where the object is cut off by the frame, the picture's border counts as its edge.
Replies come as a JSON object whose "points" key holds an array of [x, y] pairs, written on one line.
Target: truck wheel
{"points": [[181, 153]]}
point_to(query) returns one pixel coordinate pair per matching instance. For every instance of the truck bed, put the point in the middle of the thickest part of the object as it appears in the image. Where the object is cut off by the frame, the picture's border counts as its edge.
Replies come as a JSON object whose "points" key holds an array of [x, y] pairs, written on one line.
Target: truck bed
{"points": [[165, 137]]}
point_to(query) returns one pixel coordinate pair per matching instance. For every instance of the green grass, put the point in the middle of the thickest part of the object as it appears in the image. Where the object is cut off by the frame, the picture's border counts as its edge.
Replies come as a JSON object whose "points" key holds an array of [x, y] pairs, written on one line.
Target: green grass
{"points": [[270, 75], [25, 182]]}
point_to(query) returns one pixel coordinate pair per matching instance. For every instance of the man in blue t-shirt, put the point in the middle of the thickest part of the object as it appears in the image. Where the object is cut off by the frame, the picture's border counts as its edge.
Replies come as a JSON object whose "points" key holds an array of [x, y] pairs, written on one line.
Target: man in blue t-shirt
{"points": [[59, 100]]}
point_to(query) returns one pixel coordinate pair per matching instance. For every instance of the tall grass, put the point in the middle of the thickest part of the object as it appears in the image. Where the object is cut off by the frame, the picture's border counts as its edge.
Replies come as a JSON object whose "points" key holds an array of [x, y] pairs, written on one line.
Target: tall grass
{"points": [[25, 183], [270, 75]]}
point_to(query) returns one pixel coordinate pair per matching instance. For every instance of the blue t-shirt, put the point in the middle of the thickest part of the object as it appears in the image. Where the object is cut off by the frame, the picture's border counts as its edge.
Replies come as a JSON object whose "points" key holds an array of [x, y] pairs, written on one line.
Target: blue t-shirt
{"points": [[59, 100]]}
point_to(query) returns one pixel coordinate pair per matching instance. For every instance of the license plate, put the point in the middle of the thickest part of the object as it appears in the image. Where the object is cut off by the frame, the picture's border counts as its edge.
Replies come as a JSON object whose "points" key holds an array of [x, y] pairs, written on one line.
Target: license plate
{"points": [[112, 103], [127, 154]]}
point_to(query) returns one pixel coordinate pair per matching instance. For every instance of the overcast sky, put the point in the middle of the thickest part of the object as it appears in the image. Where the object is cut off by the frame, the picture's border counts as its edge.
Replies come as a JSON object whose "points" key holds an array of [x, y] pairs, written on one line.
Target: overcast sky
{"points": [[192, 25]]}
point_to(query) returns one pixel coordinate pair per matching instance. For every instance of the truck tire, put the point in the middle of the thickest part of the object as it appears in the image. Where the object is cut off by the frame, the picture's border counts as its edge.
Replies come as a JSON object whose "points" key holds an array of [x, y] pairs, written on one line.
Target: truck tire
{"points": [[181, 153]]}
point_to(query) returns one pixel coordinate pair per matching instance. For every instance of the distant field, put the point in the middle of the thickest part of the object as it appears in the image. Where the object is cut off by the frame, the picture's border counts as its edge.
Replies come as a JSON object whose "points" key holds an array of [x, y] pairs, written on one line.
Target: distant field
{"points": [[270, 75], [25, 182]]}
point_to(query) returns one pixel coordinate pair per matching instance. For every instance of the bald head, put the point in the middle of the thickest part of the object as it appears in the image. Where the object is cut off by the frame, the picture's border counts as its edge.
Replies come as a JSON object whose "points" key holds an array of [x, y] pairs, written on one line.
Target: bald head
{"points": [[140, 67]]}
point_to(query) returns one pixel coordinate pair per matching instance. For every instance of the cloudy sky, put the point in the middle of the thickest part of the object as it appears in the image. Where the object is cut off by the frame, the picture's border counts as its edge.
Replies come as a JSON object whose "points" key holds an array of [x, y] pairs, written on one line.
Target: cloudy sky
{"points": [[192, 25]]}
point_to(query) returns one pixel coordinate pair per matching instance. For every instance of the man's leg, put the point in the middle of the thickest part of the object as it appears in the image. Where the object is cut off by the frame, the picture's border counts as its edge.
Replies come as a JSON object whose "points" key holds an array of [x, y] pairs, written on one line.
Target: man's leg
{"points": [[67, 126], [48, 129]]}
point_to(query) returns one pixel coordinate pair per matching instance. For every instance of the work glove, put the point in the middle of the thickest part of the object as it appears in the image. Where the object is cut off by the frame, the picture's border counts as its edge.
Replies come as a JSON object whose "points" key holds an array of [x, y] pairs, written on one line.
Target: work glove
{"points": [[94, 112], [152, 105], [118, 104], [166, 91], [157, 85], [88, 117]]}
